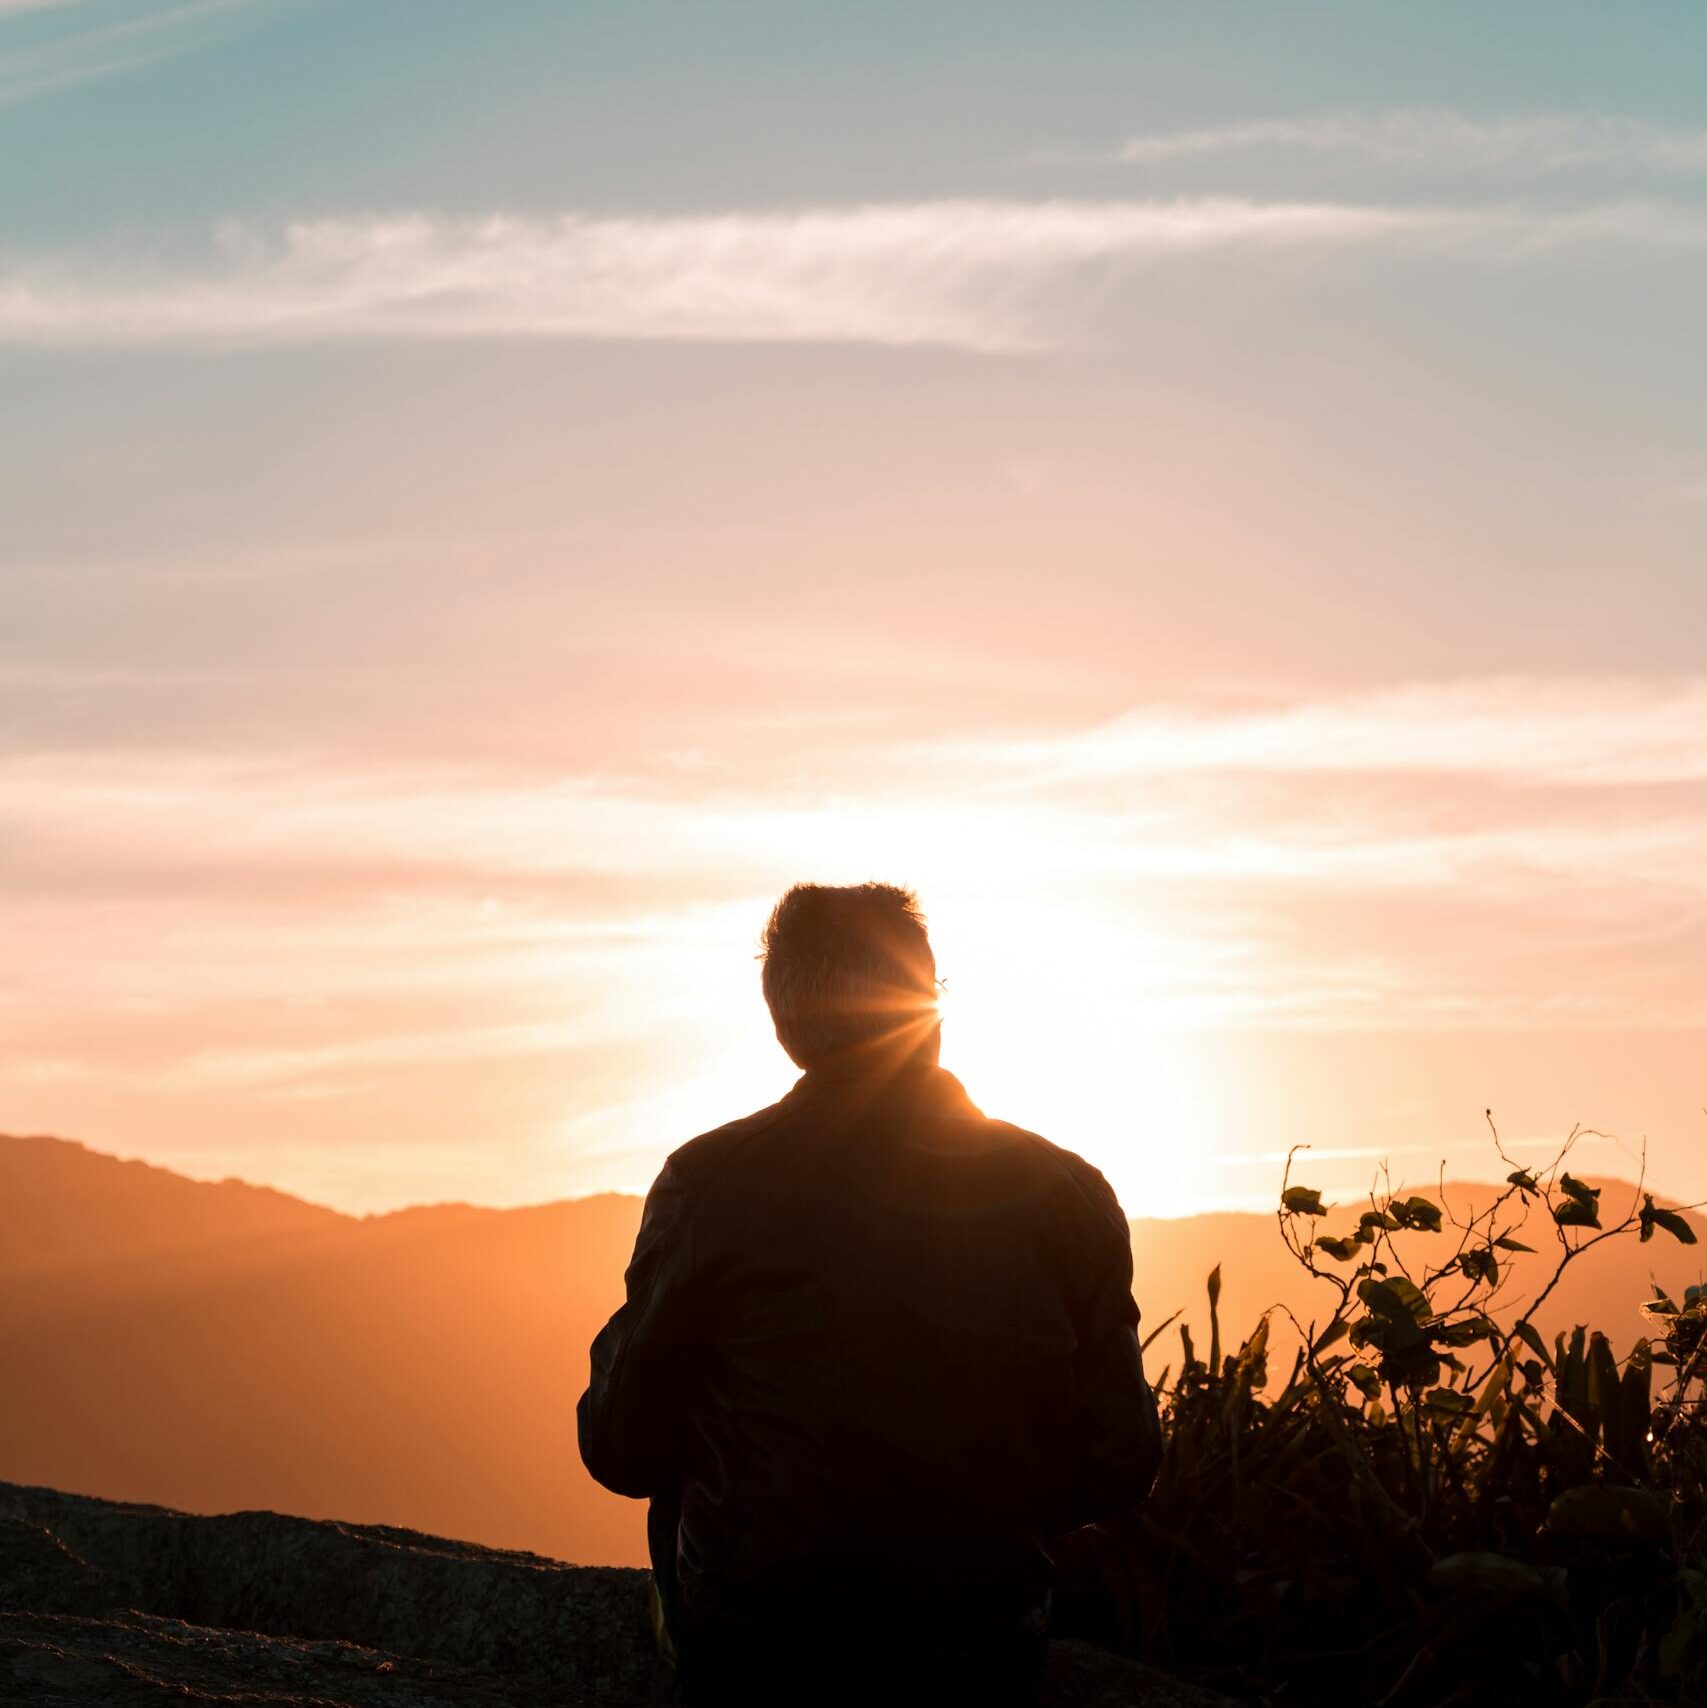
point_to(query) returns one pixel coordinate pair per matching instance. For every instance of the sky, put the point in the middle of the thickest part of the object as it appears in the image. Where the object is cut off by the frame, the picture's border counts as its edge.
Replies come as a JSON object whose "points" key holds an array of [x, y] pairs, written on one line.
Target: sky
{"points": [[1212, 495]]}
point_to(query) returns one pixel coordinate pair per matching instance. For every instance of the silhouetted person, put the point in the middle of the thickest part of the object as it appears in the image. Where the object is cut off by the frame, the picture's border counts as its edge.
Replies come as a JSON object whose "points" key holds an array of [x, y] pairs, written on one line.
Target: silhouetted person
{"points": [[877, 1350]]}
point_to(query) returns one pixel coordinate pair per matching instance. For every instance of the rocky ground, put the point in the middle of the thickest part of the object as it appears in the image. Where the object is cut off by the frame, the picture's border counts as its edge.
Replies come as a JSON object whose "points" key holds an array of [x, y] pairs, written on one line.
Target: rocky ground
{"points": [[102, 1603]]}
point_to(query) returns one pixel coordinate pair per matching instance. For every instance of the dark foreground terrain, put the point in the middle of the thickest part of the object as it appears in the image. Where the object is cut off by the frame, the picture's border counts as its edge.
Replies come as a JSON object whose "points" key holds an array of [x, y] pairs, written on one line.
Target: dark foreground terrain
{"points": [[102, 1603]]}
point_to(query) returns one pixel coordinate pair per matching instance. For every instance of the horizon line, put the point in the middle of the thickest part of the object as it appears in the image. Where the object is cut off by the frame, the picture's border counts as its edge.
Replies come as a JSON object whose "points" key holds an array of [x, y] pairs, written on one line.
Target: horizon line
{"points": [[1667, 1200]]}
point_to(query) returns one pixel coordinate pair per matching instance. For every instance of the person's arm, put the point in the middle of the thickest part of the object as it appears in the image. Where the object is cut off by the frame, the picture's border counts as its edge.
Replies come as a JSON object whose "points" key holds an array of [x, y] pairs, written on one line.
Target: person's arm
{"points": [[631, 1416], [1117, 1433]]}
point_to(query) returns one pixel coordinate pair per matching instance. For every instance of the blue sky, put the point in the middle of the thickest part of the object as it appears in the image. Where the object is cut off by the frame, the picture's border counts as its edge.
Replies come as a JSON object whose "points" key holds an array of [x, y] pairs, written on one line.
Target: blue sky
{"points": [[277, 105], [492, 492]]}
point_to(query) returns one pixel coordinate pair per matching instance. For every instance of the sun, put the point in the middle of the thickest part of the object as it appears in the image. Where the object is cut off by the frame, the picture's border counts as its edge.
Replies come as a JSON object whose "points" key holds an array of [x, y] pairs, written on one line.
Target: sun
{"points": [[1061, 996], [1049, 1026]]}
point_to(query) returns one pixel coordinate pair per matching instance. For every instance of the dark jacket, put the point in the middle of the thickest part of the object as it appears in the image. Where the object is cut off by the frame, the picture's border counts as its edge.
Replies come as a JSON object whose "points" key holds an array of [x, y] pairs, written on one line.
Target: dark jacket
{"points": [[872, 1336]]}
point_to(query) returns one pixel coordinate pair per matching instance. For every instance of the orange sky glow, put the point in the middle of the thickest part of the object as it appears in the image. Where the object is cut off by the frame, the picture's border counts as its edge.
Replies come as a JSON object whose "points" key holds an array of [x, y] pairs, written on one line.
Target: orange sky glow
{"points": [[1232, 542]]}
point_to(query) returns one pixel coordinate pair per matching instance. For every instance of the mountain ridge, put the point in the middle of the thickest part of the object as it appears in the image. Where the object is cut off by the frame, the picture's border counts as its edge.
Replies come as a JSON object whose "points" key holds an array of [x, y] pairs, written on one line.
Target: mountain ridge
{"points": [[421, 1368]]}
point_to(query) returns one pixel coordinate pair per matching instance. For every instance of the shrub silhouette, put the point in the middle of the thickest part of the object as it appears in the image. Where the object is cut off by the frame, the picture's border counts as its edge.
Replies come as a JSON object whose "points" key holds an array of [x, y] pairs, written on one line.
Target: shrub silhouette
{"points": [[1435, 1506]]}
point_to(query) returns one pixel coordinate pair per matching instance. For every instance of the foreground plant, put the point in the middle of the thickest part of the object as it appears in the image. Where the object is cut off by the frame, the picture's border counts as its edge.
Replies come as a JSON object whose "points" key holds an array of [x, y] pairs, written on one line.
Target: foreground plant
{"points": [[1436, 1506]]}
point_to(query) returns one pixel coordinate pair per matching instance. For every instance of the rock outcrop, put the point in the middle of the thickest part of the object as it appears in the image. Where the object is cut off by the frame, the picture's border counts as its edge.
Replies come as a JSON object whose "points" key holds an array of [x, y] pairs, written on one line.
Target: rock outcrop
{"points": [[107, 1603]]}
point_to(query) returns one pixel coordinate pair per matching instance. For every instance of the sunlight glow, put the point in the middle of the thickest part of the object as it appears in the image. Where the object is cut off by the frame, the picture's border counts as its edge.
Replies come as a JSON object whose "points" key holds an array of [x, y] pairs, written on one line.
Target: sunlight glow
{"points": [[1044, 1021]]}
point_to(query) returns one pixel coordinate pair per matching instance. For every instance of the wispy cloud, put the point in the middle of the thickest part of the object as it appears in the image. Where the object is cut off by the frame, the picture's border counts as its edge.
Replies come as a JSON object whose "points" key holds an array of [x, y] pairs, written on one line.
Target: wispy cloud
{"points": [[185, 931], [106, 50], [973, 274], [960, 273], [1549, 732], [1438, 138], [1478, 769], [387, 1050]]}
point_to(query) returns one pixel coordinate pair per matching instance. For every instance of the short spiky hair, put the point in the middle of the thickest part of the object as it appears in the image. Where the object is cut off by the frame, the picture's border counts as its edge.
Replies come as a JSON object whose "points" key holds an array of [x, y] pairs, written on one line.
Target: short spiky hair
{"points": [[846, 966]]}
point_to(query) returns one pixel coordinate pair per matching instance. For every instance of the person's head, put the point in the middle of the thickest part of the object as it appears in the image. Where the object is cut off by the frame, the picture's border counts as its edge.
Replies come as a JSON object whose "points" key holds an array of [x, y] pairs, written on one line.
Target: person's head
{"points": [[849, 969]]}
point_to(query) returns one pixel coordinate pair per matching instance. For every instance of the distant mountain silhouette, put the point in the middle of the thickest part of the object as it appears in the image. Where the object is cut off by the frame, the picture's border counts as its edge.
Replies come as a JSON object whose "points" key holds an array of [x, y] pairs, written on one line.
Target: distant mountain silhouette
{"points": [[214, 1347], [65, 1204], [227, 1346]]}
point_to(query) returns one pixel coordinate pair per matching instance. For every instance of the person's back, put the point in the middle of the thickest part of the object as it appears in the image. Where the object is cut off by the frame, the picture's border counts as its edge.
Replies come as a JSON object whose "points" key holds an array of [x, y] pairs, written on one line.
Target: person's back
{"points": [[877, 1351]]}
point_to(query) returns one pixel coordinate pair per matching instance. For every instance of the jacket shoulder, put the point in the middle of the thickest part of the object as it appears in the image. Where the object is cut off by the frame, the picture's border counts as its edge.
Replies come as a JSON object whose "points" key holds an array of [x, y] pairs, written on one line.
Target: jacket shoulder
{"points": [[1081, 1183], [694, 1164]]}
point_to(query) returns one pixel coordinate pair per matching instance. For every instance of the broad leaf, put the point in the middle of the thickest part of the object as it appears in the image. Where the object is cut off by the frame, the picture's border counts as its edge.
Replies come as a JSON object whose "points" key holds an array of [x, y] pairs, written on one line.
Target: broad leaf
{"points": [[1417, 1212], [1447, 1400], [1464, 1333], [1396, 1299], [1364, 1379], [1653, 1217], [1413, 1366], [1479, 1265], [1397, 1311]]}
